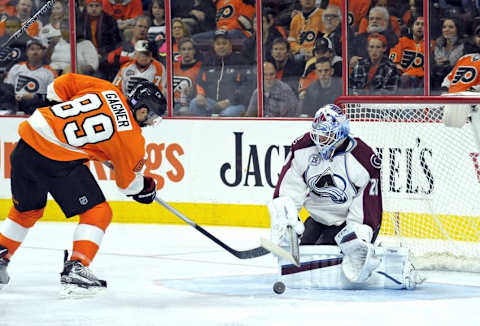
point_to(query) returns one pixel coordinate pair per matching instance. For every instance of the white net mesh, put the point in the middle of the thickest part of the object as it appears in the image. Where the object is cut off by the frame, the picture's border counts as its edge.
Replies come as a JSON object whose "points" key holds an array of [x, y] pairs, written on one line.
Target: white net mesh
{"points": [[430, 181]]}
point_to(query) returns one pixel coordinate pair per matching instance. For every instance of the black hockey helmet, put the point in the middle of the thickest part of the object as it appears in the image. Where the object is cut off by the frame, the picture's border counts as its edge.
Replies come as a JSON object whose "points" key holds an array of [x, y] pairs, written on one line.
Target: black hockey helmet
{"points": [[146, 94]]}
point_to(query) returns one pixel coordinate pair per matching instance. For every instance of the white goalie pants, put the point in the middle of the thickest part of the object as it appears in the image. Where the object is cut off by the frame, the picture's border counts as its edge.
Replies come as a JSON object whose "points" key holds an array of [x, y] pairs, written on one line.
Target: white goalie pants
{"points": [[321, 269]]}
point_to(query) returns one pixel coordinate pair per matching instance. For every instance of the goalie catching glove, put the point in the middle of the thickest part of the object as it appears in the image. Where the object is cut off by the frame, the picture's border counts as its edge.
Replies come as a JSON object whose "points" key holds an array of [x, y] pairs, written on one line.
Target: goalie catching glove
{"points": [[283, 213], [359, 260], [148, 193]]}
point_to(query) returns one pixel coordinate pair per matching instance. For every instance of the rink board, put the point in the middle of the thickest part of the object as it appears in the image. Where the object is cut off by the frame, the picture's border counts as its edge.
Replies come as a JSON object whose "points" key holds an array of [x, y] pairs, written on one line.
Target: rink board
{"points": [[223, 172]]}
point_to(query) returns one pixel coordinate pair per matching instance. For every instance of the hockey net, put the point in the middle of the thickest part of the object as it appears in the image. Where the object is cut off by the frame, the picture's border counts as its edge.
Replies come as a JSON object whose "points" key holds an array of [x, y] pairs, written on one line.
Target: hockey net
{"points": [[430, 177]]}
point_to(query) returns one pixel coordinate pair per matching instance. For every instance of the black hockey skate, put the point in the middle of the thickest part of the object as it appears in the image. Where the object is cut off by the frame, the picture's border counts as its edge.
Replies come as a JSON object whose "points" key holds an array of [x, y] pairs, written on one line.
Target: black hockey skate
{"points": [[4, 278], [77, 279]]}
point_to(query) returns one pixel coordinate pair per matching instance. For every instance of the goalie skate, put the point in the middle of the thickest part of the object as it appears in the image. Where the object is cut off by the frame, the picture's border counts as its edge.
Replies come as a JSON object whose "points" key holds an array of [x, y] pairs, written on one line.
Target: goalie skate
{"points": [[78, 281]]}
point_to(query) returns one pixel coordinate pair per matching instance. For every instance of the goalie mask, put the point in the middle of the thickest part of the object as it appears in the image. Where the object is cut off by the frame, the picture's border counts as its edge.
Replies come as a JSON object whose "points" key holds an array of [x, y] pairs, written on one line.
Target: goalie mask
{"points": [[146, 95], [329, 128]]}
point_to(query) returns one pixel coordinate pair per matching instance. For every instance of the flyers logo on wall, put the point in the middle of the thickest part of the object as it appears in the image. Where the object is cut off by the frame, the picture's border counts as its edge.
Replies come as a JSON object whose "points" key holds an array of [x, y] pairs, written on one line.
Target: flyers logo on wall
{"points": [[159, 155]]}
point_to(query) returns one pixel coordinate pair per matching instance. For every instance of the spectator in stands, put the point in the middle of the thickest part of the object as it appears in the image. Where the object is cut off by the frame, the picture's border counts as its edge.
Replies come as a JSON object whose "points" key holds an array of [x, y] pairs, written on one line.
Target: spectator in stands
{"points": [[7, 7], [125, 13], [448, 49], [472, 44], [323, 49], [60, 58], [185, 74], [101, 29], [374, 74], [23, 11], [393, 24], [269, 34], [279, 100], [332, 27], [323, 91], [304, 28], [52, 29], [179, 31], [288, 70], [234, 16], [199, 15], [17, 47], [126, 50], [356, 11], [142, 67], [408, 55], [30, 78], [378, 19], [225, 82], [462, 10], [157, 30]]}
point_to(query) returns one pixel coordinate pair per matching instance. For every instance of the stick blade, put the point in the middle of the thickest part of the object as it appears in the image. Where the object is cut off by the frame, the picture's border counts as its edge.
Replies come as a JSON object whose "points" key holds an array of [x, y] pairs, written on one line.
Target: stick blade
{"points": [[276, 250]]}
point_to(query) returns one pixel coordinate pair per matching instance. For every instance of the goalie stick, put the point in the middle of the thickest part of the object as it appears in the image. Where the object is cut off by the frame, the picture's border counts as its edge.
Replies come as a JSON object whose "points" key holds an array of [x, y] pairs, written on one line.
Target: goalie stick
{"points": [[242, 254], [293, 256], [47, 6]]}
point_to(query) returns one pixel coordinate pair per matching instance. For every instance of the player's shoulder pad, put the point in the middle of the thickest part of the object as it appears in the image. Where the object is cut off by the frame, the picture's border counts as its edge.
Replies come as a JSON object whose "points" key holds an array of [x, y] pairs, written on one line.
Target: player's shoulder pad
{"points": [[366, 156], [302, 141]]}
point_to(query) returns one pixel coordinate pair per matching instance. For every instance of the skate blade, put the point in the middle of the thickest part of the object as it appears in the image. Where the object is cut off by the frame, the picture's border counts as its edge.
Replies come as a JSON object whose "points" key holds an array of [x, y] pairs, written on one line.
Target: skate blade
{"points": [[72, 291]]}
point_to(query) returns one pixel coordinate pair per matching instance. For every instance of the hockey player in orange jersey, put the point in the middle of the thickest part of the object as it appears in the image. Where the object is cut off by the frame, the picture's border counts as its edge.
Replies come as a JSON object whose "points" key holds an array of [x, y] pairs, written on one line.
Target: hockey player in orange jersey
{"points": [[91, 121]]}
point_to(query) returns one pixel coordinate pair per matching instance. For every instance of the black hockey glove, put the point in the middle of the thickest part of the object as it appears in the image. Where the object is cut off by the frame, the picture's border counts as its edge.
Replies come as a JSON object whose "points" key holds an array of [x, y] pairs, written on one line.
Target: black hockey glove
{"points": [[5, 53], [148, 193]]}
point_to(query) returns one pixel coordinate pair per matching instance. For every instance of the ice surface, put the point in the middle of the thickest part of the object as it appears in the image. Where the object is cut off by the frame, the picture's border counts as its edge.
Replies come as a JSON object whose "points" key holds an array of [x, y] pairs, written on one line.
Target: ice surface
{"points": [[173, 275]]}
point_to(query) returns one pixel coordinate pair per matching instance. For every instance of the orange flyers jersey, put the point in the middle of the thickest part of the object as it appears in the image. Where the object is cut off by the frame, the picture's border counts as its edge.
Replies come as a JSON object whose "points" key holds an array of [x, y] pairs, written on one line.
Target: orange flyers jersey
{"points": [[124, 9], [409, 54], [465, 74], [356, 11], [184, 77], [303, 32], [228, 12], [93, 122], [130, 74]]}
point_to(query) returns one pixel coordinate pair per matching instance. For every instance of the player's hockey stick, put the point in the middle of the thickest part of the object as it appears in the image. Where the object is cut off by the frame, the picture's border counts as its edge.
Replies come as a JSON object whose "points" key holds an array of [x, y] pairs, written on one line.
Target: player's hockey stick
{"points": [[47, 6], [242, 254]]}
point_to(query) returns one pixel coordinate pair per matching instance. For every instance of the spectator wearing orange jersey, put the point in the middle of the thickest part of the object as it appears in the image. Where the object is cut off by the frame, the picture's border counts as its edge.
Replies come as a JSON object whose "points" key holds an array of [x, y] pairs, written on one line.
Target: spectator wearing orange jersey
{"points": [[408, 55], [23, 11], [234, 16], [125, 12], [304, 28], [7, 7], [185, 75], [356, 11], [142, 67]]}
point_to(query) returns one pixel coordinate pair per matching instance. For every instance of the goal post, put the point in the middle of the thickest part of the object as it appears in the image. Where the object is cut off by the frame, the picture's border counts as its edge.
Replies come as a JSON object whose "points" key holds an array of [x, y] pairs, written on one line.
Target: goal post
{"points": [[429, 148]]}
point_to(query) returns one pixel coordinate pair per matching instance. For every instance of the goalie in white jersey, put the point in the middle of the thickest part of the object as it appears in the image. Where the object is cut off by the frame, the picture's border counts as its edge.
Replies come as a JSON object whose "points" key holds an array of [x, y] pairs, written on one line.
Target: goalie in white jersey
{"points": [[142, 67], [336, 178]]}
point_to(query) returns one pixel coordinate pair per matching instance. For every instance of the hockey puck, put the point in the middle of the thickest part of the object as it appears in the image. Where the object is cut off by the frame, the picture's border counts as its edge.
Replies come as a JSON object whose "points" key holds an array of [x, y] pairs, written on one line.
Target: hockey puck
{"points": [[279, 287]]}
